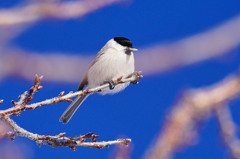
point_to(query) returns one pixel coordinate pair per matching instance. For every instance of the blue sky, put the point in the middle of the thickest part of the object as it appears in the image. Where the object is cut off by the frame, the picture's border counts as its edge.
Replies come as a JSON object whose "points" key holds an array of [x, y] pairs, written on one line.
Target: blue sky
{"points": [[139, 111]]}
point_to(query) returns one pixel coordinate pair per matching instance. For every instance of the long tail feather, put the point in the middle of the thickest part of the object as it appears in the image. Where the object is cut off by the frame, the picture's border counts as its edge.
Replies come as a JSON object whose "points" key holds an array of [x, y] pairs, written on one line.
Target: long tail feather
{"points": [[67, 115]]}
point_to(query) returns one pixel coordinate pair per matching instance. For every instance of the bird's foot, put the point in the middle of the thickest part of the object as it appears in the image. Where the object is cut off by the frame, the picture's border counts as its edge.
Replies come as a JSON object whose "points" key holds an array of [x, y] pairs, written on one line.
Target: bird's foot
{"points": [[111, 85], [138, 74]]}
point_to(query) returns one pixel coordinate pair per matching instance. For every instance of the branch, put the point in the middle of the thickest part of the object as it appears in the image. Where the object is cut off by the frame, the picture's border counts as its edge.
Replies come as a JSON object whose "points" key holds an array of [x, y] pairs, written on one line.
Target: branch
{"points": [[27, 97], [15, 20], [190, 50], [67, 97], [58, 140], [182, 123], [228, 131], [38, 11], [163, 57]]}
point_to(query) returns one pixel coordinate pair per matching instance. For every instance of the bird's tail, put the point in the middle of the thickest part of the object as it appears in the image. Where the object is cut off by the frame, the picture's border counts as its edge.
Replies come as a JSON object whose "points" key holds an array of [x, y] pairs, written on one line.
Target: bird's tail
{"points": [[67, 115]]}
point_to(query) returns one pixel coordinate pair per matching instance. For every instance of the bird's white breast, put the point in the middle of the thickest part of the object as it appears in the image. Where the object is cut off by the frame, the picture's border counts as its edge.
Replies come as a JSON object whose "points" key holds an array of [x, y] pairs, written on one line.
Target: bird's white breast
{"points": [[111, 65]]}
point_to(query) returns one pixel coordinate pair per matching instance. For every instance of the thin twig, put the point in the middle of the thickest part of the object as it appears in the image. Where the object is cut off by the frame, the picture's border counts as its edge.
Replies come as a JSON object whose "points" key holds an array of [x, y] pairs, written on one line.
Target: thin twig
{"points": [[36, 87], [27, 97], [67, 97]]}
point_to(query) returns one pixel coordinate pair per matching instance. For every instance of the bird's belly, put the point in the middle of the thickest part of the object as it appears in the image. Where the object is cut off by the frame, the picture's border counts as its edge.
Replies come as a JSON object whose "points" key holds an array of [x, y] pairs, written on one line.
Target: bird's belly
{"points": [[116, 89], [107, 70]]}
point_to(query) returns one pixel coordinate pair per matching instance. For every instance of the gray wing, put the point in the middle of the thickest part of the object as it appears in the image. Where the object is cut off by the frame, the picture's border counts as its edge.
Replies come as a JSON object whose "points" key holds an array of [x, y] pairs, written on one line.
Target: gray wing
{"points": [[85, 78]]}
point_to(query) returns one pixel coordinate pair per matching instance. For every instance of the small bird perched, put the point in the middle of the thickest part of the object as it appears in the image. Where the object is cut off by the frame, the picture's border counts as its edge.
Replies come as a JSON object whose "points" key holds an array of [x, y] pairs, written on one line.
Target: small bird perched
{"points": [[114, 60]]}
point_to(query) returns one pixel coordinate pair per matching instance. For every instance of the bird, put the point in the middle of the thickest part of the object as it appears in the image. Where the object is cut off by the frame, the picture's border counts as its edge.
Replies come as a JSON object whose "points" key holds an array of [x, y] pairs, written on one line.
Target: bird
{"points": [[114, 60]]}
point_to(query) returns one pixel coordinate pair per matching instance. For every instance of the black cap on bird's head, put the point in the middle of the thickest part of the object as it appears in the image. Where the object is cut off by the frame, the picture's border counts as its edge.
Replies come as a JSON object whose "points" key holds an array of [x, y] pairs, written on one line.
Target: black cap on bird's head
{"points": [[125, 42]]}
